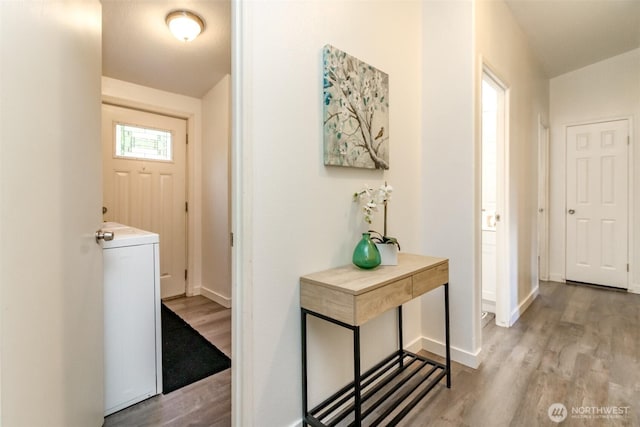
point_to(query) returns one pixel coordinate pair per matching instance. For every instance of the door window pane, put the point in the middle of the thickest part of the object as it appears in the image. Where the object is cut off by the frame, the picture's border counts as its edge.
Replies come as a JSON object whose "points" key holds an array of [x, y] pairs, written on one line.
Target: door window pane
{"points": [[136, 142]]}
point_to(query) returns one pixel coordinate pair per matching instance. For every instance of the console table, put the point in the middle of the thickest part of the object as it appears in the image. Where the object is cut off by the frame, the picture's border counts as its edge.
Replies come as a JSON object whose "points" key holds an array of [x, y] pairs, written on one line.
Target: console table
{"points": [[349, 297]]}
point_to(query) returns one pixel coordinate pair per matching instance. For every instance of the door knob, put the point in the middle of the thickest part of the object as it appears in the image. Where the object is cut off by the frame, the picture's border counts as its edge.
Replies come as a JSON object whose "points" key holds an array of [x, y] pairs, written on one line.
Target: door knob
{"points": [[104, 210], [104, 235], [571, 211]]}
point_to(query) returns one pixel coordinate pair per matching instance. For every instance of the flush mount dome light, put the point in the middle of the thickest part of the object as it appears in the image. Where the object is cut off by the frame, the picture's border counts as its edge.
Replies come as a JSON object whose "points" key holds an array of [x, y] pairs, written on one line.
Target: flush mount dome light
{"points": [[185, 25]]}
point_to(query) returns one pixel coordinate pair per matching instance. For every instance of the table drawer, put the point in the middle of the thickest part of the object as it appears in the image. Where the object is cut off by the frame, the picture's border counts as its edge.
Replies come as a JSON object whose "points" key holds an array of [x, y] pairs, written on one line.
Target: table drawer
{"points": [[372, 303], [430, 279]]}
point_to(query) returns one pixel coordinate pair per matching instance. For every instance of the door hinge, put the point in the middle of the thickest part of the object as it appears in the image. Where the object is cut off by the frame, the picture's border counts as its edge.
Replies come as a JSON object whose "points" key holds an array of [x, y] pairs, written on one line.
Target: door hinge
{"points": [[231, 238], [627, 268], [185, 275], [187, 138], [186, 206]]}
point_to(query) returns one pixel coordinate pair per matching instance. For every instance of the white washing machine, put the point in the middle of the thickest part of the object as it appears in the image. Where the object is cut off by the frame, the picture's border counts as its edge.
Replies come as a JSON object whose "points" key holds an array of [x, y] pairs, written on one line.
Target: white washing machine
{"points": [[132, 325]]}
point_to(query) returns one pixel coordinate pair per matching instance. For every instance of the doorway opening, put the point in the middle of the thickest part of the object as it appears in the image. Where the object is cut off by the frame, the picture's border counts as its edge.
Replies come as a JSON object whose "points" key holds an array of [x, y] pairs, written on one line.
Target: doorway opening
{"points": [[144, 158], [494, 259]]}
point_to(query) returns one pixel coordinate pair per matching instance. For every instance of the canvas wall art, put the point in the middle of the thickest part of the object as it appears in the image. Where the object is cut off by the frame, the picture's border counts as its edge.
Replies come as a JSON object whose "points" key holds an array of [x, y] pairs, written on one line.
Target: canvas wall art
{"points": [[356, 112]]}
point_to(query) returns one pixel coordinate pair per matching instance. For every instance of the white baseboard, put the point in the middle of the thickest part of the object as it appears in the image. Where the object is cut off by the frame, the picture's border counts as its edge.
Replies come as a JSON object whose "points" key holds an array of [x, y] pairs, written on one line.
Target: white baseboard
{"points": [[414, 346], [488, 295], [489, 306], [522, 307], [216, 297], [464, 357], [471, 360], [634, 288], [556, 278]]}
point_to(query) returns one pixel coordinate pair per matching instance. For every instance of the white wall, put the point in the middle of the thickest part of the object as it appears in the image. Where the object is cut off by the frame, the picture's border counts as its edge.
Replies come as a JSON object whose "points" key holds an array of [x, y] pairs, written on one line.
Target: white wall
{"points": [[447, 174], [604, 90], [501, 44], [302, 218], [216, 249], [132, 95]]}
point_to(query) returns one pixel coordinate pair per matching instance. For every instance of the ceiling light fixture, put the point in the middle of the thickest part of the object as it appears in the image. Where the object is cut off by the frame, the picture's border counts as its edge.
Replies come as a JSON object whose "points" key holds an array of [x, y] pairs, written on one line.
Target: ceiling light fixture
{"points": [[185, 25]]}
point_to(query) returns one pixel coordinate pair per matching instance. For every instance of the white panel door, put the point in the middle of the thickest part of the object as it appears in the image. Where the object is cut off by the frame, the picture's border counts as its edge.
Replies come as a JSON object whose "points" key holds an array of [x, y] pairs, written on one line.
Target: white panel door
{"points": [[597, 201], [148, 189]]}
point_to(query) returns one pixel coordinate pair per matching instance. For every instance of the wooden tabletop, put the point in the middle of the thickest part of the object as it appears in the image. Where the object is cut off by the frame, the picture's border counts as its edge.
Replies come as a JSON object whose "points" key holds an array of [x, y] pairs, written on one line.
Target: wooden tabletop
{"points": [[356, 281], [354, 296]]}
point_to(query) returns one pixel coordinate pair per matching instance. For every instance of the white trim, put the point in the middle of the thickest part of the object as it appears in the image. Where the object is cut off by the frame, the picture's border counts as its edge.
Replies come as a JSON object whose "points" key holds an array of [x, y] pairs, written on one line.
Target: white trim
{"points": [[415, 345], [242, 410], [634, 289], [489, 306], [557, 277], [524, 305], [543, 195], [631, 204], [503, 252], [464, 357], [215, 297], [489, 296]]}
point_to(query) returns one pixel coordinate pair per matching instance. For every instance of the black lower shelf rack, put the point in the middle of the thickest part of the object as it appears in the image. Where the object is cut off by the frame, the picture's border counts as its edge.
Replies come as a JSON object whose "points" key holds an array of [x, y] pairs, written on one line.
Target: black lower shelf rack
{"points": [[389, 390]]}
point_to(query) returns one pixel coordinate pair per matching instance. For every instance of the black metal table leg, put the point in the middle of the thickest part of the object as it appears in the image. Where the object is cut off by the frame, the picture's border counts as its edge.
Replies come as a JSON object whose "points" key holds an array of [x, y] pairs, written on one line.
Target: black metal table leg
{"points": [[305, 410], [400, 343], [366, 387], [447, 334], [356, 378]]}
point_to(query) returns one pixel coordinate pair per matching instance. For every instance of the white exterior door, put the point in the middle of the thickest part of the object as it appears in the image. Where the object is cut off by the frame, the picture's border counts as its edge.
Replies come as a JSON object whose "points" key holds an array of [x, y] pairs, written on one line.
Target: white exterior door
{"points": [[144, 156], [51, 299], [597, 203]]}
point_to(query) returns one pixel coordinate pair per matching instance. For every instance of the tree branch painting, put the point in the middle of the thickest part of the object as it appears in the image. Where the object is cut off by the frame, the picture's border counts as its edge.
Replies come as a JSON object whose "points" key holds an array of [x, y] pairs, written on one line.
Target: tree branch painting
{"points": [[356, 112]]}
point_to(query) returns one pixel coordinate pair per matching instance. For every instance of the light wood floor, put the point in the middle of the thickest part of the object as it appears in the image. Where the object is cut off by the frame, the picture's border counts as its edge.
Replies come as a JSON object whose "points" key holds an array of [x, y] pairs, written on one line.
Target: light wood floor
{"points": [[203, 403], [575, 345]]}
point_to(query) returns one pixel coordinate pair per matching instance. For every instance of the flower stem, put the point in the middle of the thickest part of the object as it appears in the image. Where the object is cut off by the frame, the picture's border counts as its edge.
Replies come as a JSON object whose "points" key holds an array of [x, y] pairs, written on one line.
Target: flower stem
{"points": [[385, 218], [385, 213]]}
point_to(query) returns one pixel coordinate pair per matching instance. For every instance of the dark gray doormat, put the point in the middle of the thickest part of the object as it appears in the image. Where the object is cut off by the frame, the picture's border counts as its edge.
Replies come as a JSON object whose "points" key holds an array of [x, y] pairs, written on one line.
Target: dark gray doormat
{"points": [[187, 356]]}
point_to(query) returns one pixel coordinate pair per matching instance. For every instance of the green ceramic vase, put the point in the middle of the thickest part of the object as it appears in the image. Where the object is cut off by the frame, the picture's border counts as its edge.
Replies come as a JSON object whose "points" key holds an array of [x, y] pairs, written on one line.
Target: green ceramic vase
{"points": [[366, 254]]}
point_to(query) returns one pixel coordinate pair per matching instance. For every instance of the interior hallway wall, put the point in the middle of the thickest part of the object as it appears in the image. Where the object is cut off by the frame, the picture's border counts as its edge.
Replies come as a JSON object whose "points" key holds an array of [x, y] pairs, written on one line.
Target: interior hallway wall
{"points": [[501, 44], [216, 227], [447, 174], [302, 215]]}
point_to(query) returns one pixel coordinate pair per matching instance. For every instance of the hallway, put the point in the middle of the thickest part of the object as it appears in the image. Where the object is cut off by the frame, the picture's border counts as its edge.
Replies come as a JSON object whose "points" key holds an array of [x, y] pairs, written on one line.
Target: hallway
{"points": [[575, 345]]}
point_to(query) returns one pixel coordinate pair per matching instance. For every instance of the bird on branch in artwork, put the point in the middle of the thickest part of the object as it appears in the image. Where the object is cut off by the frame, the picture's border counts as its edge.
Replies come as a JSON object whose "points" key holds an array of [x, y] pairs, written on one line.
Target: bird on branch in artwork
{"points": [[380, 133]]}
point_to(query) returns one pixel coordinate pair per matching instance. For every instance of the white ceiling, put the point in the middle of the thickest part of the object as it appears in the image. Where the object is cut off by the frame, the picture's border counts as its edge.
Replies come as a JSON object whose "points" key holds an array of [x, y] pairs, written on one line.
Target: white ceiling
{"points": [[570, 34], [137, 46]]}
